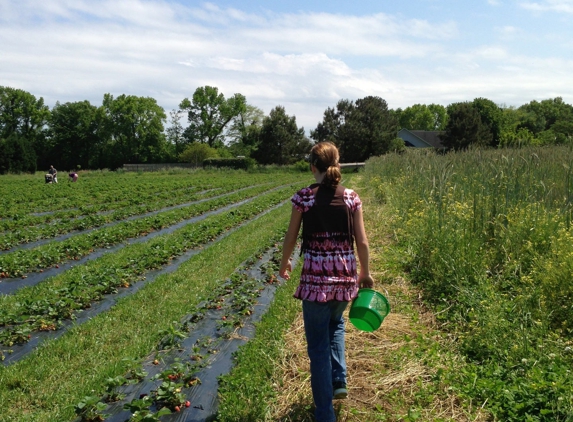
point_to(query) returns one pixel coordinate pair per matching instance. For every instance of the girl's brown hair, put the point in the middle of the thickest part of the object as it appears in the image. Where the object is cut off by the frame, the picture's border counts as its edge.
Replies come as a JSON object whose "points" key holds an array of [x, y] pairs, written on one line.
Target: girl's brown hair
{"points": [[324, 156]]}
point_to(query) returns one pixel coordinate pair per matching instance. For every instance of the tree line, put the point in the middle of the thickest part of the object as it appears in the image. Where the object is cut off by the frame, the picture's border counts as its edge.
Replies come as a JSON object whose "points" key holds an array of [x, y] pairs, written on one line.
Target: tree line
{"points": [[130, 129]]}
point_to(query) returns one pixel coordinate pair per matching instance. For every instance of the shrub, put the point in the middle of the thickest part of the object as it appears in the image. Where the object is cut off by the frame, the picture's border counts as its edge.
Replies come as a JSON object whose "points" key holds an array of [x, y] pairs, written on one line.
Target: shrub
{"points": [[234, 163], [197, 153]]}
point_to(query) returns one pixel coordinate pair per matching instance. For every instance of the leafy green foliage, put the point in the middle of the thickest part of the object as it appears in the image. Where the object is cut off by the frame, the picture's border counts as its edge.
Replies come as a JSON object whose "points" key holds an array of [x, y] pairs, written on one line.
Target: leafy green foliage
{"points": [[111, 385], [89, 283], [74, 133], [83, 358], [20, 262], [89, 409], [209, 113], [197, 153], [243, 133], [171, 337], [132, 130], [246, 392], [281, 141], [360, 129], [490, 246], [140, 410], [235, 299], [423, 117], [551, 121], [491, 116], [174, 132], [465, 128], [23, 121], [233, 163]]}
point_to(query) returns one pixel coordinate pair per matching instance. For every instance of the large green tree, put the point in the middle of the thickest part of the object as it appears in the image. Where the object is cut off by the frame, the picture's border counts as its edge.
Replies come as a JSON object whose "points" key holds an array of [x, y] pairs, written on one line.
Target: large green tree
{"points": [[133, 130], [491, 116], [174, 133], [74, 135], [281, 141], [209, 113], [551, 121], [332, 126], [244, 130], [23, 120], [373, 130], [16, 155], [360, 129], [465, 128], [423, 117]]}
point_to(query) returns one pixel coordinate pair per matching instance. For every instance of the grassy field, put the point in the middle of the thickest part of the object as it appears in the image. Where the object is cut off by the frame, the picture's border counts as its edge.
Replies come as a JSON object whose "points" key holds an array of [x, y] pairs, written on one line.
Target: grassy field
{"points": [[50, 383], [473, 250], [486, 237]]}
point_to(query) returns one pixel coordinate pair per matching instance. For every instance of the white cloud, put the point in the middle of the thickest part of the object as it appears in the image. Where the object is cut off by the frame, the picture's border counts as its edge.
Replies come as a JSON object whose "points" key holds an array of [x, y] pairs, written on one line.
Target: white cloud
{"points": [[565, 6], [71, 50], [509, 30], [491, 53], [290, 64]]}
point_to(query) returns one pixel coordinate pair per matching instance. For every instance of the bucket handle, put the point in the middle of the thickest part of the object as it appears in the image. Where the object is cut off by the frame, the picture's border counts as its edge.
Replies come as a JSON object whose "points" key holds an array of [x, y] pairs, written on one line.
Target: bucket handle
{"points": [[386, 293]]}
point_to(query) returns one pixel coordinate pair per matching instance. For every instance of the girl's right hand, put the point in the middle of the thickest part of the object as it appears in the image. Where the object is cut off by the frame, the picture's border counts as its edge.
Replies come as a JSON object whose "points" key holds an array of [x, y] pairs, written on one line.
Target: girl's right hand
{"points": [[366, 282], [285, 269]]}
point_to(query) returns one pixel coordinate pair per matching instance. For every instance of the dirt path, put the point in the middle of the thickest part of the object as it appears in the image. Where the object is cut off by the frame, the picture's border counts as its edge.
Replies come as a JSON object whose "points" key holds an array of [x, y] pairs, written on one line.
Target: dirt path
{"points": [[387, 378]]}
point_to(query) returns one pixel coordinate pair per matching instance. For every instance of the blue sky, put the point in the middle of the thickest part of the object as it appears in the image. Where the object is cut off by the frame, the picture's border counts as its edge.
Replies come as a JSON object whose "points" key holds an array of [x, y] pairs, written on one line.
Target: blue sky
{"points": [[303, 55]]}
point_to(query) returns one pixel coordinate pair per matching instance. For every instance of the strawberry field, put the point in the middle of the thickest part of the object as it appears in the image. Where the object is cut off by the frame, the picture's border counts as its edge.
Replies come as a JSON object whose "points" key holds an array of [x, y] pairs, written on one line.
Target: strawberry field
{"points": [[153, 296], [116, 292]]}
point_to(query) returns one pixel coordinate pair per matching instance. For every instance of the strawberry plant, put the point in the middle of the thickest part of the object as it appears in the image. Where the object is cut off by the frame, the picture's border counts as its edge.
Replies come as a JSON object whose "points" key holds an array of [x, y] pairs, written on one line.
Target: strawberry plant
{"points": [[177, 371], [134, 373], [81, 245], [14, 336], [140, 410], [111, 385], [172, 337], [169, 394], [88, 410], [106, 275]]}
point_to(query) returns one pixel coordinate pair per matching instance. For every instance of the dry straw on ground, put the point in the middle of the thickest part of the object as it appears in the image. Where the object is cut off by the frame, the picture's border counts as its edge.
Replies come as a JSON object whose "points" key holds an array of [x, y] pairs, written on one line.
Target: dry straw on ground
{"points": [[370, 377]]}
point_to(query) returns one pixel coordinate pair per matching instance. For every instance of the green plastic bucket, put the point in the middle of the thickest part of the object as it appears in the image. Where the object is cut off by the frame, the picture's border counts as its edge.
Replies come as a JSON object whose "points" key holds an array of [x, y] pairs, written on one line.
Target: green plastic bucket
{"points": [[368, 310]]}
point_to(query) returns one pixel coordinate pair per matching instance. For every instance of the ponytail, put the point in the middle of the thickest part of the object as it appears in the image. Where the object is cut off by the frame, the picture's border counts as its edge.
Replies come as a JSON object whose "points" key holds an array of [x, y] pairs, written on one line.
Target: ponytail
{"points": [[332, 177], [324, 156]]}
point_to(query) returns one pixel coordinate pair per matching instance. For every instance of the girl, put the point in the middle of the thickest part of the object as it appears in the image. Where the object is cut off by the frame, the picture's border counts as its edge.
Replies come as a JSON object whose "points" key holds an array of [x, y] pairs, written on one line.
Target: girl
{"points": [[331, 218]]}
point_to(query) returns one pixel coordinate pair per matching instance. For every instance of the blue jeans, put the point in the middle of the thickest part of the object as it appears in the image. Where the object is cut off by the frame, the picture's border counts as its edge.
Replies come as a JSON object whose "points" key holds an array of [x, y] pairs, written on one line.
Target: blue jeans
{"points": [[324, 329]]}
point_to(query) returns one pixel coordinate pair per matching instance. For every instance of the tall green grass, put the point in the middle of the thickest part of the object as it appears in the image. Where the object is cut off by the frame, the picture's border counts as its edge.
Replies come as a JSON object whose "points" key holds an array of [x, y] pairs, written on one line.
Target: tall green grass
{"points": [[488, 237]]}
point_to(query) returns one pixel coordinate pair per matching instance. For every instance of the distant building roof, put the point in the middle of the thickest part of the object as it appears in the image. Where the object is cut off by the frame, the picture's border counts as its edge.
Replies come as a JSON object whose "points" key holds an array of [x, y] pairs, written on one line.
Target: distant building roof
{"points": [[421, 138]]}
